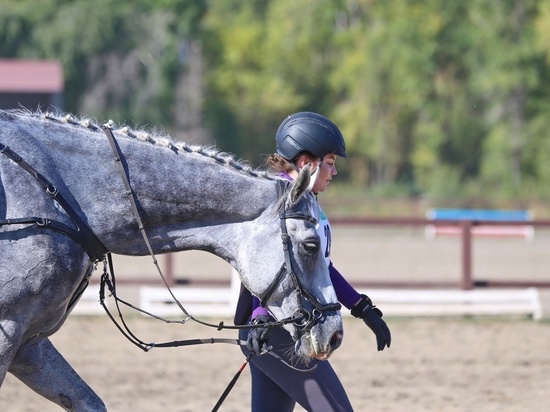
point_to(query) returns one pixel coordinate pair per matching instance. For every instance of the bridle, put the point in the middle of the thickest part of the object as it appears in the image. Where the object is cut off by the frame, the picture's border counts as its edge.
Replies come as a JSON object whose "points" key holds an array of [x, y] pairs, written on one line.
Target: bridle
{"points": [[303, 318]]}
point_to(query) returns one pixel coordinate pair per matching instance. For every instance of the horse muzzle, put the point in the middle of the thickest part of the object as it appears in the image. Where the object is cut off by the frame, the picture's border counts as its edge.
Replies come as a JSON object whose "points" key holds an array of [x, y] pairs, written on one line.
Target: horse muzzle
{"points": [[319, 338]]}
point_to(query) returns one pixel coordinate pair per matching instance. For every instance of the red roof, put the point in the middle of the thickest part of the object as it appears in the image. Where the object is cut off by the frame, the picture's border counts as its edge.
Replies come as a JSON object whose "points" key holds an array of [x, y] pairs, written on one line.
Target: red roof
{"points": [[31, 76]]}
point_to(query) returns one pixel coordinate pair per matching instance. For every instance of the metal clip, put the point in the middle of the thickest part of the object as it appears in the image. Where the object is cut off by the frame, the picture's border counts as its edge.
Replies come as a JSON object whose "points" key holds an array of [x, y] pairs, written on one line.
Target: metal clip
{"points": [[52, 190], [42, 222]]}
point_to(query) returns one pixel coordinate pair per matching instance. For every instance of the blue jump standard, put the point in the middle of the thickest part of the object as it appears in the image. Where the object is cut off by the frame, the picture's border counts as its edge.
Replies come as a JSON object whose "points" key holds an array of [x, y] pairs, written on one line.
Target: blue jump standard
{"points": [[480, 214]]}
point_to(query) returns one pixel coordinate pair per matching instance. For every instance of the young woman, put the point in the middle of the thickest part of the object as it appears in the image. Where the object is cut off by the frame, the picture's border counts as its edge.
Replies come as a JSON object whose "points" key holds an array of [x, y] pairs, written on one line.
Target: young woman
{"points": [[279, 381]]}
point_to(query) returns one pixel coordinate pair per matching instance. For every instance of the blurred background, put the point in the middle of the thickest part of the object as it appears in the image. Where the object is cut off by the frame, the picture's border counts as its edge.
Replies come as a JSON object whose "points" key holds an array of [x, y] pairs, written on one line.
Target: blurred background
{"points": [[442, 103]]}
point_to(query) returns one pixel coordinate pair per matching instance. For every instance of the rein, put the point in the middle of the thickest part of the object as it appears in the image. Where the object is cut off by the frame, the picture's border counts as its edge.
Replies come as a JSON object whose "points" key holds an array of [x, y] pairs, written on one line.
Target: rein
{"points": [[302, 318], [105, 281], [111, 283]]}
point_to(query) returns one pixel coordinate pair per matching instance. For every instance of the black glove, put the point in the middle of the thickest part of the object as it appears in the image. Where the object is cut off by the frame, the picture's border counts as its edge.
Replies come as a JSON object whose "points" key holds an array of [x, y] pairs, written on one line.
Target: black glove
{"points": [[372, 316], [257, 337]]}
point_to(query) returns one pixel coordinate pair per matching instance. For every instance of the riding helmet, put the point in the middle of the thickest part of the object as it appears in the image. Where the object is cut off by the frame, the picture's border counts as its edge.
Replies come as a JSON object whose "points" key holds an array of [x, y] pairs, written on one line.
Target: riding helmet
{"points": [[309, 132]]}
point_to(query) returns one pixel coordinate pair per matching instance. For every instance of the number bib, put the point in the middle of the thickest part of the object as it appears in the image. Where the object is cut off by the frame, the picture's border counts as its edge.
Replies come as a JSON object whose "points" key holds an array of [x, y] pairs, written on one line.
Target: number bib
{"points": [[324, 231]]}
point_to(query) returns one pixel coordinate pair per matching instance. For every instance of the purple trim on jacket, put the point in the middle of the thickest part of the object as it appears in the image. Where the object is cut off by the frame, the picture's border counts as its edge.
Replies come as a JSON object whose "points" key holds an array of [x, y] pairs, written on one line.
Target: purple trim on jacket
{"points": [[285, 175], [345, 293], [257, 308]]}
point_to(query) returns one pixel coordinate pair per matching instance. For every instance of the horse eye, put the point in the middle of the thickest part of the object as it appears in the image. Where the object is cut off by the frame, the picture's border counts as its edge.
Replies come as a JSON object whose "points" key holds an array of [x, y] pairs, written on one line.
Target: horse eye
{"points": [[310, 247]]}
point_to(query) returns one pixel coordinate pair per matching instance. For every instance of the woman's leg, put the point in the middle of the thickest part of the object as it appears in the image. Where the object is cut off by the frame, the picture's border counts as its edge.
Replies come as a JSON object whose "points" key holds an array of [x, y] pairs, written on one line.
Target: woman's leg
{"points": [[317, 390], [267, 395]]}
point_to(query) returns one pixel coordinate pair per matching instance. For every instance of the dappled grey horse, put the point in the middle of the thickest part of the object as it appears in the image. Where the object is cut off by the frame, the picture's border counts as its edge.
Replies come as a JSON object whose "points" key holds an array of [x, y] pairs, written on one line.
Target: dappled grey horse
{"points": [[64, 205]]}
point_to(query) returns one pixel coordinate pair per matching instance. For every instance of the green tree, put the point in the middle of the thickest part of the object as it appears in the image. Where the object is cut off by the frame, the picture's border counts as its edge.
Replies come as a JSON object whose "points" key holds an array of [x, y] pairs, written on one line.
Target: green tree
{"points": [[119, 58], [441, 98], [268, 59]]}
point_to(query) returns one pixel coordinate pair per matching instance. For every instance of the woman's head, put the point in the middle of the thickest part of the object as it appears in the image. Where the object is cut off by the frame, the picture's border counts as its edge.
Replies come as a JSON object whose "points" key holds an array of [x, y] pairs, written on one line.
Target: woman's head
{"points": [[308, 138], [308, 132]]}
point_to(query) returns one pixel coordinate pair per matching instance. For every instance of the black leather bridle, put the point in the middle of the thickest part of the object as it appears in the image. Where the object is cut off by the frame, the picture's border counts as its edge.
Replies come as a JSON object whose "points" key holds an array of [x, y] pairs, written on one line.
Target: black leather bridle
{"points": [[303, 318]]}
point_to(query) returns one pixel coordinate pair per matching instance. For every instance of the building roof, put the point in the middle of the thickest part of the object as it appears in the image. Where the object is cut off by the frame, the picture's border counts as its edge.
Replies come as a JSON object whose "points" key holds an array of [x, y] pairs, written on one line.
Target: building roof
{"points": [[31, 76]]}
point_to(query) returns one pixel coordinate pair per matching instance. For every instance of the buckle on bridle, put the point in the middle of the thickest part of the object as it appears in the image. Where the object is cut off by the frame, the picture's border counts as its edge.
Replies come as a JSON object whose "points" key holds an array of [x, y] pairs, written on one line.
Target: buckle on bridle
{"points": [[42, 222], [52, 190], [301, 317]]}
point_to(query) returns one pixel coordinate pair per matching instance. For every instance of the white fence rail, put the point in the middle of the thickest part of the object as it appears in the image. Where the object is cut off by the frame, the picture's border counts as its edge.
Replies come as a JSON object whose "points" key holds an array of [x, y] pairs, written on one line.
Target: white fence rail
{"points": [[458, 302], [221, 301]]}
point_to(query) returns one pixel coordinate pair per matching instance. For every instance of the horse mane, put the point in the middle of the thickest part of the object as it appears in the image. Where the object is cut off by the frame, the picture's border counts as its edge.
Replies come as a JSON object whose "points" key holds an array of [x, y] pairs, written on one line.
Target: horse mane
{"points": [[154, 137]]}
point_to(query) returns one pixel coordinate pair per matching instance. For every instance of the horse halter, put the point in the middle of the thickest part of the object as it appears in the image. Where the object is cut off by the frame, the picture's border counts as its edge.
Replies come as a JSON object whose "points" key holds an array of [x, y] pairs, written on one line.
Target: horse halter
{"points": [[302, 317]]}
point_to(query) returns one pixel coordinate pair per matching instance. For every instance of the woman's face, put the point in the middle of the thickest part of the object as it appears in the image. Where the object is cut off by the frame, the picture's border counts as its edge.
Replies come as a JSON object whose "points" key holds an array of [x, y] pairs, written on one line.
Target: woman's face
{"points": [[327, 169]]}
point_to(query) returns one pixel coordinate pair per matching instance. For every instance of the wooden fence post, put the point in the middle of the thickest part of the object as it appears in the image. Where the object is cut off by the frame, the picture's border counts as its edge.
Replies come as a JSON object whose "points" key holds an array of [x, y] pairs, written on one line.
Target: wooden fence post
{"points": [[467, 282]]}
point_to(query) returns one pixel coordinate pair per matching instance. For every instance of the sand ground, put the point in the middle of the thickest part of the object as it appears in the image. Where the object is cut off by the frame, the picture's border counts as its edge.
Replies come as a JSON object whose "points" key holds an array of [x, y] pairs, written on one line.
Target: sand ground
{"points": [[446, 365], [435, 364]]}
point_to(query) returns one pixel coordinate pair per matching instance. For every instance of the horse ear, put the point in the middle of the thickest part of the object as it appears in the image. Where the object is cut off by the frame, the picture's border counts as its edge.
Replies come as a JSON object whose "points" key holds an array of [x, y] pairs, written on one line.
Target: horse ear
{"points": [[301, 184]]}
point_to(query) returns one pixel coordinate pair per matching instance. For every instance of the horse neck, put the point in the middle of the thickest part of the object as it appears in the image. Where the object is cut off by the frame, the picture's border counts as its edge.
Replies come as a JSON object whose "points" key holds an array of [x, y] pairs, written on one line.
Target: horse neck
{"points": [[186, 201], [188, 198]]}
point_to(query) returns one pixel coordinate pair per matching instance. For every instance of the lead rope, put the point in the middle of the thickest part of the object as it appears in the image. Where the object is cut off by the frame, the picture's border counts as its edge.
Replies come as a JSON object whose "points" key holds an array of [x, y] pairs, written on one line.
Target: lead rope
{"points": [[232, 383]]}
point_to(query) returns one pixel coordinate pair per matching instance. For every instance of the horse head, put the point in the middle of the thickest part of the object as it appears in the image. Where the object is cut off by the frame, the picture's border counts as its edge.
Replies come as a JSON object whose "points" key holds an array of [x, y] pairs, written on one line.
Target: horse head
{"points": [[300, 293]]}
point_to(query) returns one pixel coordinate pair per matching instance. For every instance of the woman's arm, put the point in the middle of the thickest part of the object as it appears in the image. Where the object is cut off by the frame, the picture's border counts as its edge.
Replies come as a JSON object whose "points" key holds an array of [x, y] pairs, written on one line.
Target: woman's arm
{"points": [[345, 293]]}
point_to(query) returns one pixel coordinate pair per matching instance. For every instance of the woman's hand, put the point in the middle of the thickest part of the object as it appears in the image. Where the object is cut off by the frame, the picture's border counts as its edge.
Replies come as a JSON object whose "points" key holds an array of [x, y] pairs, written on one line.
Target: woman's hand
{"points": [[372, 316], [257, 337]]}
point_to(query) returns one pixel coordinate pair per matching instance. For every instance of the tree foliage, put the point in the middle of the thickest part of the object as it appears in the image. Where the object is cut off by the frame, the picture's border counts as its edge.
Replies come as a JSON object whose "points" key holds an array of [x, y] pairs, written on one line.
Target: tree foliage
{"points": [[437, 98]]}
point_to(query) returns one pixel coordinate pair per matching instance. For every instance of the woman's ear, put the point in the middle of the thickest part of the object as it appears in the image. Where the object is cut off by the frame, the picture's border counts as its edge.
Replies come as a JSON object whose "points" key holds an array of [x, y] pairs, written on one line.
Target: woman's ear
{"points": [[300, 162]]}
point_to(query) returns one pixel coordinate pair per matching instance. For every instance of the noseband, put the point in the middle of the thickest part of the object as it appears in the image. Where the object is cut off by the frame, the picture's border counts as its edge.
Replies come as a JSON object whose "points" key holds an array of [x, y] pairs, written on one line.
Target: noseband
{"points": [[303, 318]]}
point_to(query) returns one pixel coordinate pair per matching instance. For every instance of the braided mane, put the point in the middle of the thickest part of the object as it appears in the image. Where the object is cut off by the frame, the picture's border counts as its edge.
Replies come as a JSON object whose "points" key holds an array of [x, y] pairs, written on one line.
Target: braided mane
{"points": [[152, 137]]}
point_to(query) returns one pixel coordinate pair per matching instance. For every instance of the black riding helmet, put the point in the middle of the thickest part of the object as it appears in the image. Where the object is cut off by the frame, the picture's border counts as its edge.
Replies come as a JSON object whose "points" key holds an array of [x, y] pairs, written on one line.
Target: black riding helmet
{"points": [[309, 132]]}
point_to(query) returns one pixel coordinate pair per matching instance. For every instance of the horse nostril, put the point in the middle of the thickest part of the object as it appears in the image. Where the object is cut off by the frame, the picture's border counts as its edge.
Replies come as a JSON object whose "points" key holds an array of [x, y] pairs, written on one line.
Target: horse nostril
{"points": [[336, 340]]}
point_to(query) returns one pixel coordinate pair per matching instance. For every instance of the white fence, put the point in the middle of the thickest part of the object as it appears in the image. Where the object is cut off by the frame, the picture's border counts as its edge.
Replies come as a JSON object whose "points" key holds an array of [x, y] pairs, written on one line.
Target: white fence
{"points": [[445, 302], [221, 301]]}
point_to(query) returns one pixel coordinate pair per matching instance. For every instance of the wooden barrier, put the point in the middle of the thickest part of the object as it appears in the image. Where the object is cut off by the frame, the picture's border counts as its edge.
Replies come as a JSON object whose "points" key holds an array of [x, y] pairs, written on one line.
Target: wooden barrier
{"points": [[197, 301], [505, 230], [528, 301], [465, 227], [221, 301]]}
